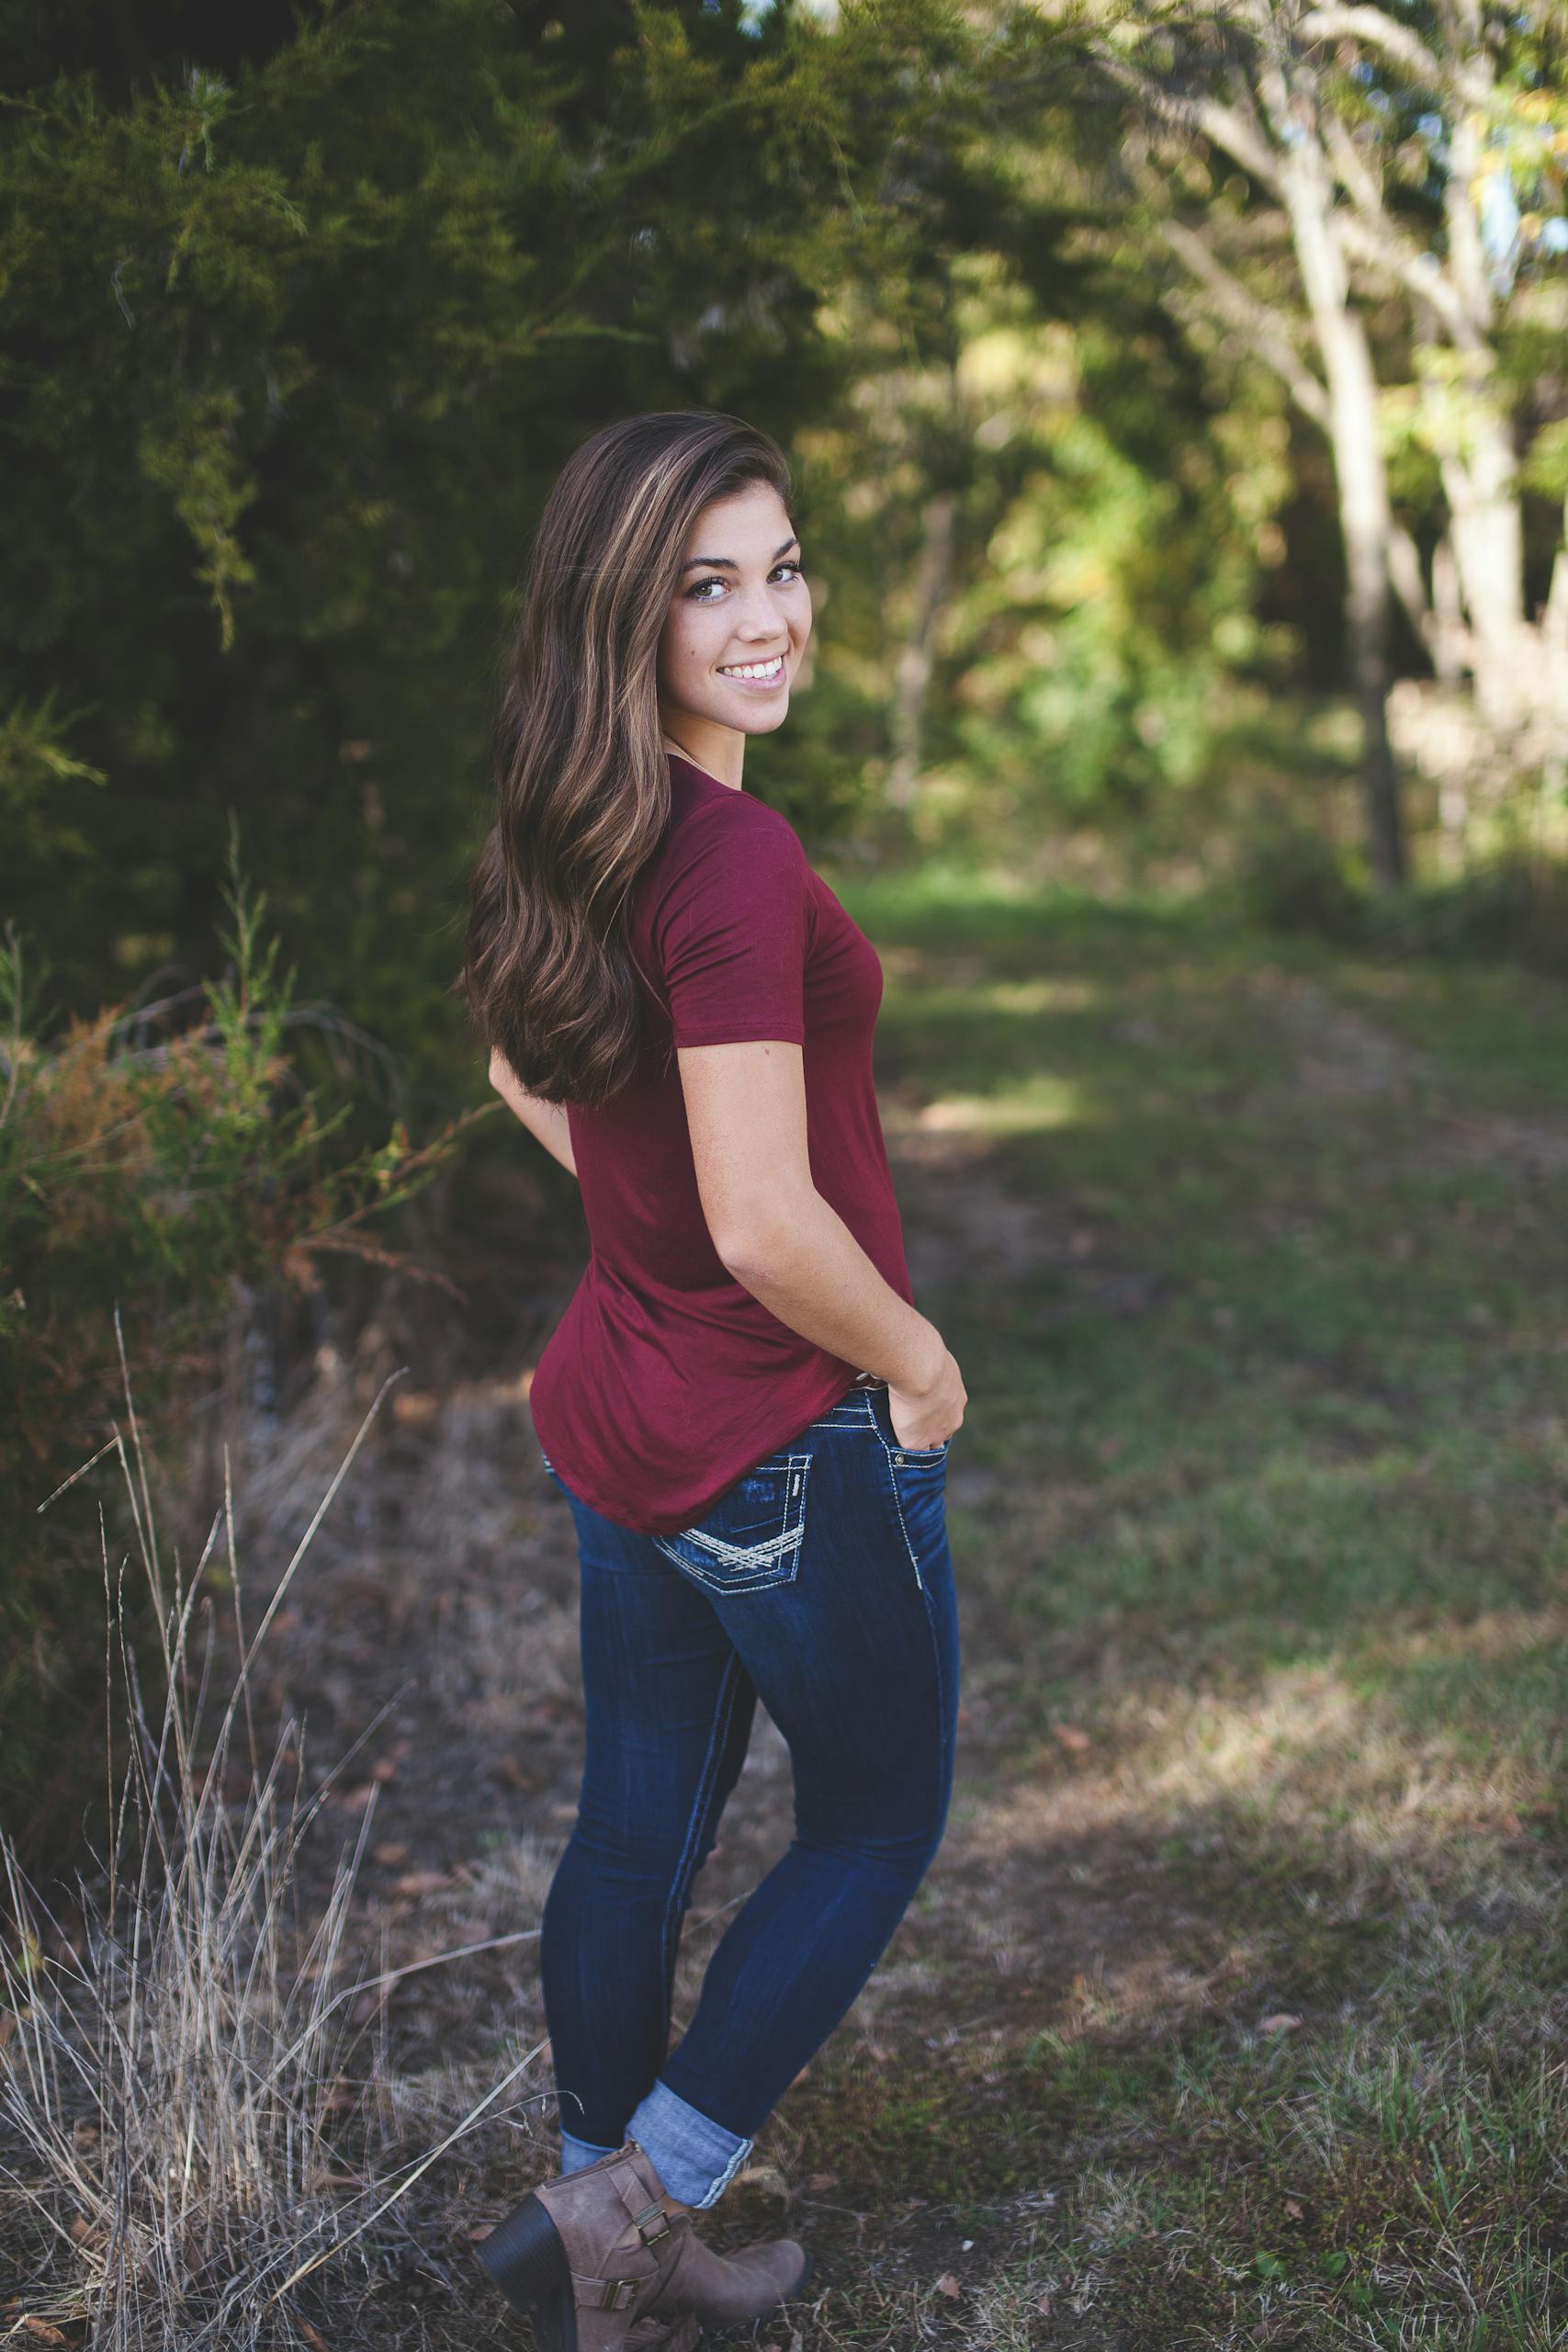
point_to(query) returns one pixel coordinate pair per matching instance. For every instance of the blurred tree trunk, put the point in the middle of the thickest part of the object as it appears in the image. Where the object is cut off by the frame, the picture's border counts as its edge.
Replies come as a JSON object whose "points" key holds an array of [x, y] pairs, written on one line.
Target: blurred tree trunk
{"points": [[1554, 649], [1480, 465], [1348, 117], [1360, 477], [1457, 286], [1269, 123], [1448, 638], [912, 677]]}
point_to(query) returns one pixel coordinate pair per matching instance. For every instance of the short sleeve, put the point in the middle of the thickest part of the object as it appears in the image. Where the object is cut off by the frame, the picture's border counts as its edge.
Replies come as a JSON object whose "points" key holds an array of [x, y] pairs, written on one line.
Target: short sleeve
{"points": [[731, 931]]}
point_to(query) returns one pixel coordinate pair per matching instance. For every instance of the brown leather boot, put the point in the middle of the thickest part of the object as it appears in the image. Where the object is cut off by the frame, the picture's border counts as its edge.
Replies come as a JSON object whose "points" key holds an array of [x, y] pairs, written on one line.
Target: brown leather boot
{"points": [[596, 2251], [652, 2335]]}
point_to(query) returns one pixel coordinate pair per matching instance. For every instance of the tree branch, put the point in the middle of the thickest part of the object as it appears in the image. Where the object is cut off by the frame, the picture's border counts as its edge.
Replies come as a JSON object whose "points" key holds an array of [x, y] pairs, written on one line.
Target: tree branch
{"points": [[1380, 30], [1404, 578], [1226, 126], [1376, 243], [1241, 140], [1267, 330]]}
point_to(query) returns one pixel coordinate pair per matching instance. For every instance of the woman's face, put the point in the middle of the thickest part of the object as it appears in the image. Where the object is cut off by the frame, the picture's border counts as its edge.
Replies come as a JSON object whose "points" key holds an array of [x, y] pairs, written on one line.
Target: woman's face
{"points": [[739, 620]]}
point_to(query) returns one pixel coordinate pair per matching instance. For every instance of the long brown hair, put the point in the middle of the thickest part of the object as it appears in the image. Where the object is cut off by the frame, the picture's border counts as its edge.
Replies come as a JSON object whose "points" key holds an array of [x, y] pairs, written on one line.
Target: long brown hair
{"points": [[581, 785]]}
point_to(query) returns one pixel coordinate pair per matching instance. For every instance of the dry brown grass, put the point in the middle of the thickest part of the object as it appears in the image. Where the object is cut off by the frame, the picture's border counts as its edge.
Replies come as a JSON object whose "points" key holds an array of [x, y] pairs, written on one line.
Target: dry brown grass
{"points": [[193, 2116]]}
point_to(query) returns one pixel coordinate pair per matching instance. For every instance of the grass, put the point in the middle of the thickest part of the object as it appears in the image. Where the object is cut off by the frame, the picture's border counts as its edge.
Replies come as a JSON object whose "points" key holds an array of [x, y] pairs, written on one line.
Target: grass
{"points": [[1233, 2012], [191, 2125], [1265, 1455]]}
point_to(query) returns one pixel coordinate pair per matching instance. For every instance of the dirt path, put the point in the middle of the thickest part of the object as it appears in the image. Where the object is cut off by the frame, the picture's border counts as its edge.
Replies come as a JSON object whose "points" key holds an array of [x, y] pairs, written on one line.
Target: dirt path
{"points": [[1081, 1906], [434, 1622]]}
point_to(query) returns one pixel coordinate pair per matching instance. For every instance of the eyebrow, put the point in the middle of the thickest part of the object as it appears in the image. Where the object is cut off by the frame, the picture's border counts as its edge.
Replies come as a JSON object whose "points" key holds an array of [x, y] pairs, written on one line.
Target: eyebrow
{"points": [[728, 563]]}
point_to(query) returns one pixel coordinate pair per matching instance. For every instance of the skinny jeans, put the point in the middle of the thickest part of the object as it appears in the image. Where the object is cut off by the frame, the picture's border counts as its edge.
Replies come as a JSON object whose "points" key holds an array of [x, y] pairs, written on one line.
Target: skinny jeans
{"points": [[820, 1583]]}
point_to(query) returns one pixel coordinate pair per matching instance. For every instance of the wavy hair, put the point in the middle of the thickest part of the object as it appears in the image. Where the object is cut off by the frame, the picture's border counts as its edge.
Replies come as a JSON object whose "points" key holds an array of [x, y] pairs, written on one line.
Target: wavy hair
{"points": [[582, 790]]}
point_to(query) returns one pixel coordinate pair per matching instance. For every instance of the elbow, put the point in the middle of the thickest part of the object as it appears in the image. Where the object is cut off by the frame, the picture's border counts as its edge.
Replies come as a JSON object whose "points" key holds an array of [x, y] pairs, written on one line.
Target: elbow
{"points": [[758, 1245], [748, 1258]]}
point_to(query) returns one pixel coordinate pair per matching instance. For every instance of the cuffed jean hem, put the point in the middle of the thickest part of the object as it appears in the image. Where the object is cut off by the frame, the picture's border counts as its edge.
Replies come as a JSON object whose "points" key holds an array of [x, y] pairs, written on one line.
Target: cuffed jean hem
{"points": [[575, 2154], [695, 2158]]}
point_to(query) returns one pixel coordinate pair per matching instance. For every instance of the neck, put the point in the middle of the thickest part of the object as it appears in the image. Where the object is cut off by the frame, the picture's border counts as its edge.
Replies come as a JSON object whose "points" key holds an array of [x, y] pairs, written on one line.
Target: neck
{"points": [[717, 750]]}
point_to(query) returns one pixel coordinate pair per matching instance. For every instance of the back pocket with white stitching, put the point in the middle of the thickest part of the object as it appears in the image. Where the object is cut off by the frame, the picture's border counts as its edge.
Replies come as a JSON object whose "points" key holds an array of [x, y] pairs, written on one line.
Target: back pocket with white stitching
{"points": [[752, 1537]]}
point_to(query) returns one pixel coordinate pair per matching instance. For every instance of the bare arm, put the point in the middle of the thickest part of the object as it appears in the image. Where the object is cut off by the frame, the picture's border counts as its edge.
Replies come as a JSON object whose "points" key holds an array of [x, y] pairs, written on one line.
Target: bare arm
{"points": [[746, 1110], [546, 1121]]}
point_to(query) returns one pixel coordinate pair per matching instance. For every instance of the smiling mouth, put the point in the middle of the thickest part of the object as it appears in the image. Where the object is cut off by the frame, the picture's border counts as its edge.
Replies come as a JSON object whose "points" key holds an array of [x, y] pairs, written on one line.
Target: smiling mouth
{"points": [[757, 673]]}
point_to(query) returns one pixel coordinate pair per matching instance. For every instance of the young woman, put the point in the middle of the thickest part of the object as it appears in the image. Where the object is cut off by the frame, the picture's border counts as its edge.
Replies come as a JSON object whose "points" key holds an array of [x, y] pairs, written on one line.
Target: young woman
{"points": [[744, 1408]]}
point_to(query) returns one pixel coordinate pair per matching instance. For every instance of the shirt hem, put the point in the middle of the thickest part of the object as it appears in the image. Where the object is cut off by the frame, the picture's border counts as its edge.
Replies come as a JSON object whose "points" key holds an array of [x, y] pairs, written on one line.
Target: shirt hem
{"points": [[727, 1032], [641, 1522]]}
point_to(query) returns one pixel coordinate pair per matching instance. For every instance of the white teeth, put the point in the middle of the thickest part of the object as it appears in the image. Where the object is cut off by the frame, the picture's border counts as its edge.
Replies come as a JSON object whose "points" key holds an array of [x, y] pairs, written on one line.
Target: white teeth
{"points": [[753, 669]]}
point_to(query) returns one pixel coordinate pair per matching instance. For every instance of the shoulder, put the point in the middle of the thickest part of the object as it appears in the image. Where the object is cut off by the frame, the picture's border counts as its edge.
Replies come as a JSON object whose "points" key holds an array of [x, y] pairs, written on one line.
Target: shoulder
{"points": [[699, 800], [720, 830]]}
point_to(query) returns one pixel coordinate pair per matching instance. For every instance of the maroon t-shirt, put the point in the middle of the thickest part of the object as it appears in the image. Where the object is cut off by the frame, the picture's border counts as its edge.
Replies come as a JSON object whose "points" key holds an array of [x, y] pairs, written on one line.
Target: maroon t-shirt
{"points": [[665, 1379]]}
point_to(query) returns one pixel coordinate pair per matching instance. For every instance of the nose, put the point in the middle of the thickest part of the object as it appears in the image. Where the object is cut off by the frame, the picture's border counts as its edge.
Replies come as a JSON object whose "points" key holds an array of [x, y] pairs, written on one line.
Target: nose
{"points": [[757, 621]]}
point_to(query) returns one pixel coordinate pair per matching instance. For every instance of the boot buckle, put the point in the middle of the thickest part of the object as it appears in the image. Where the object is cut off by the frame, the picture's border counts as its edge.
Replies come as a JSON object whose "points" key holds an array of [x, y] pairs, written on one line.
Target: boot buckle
{"points": [[618, 2293], [640, 2221]]}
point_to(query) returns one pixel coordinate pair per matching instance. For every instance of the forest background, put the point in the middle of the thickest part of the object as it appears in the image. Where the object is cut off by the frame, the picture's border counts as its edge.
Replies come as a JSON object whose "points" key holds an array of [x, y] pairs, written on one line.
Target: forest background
{"points": [[1179, 403]]}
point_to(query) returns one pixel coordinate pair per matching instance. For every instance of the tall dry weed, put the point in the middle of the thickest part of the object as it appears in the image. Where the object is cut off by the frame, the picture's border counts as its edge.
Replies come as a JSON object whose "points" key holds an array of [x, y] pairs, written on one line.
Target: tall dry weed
{"points": [[191, 2129]]}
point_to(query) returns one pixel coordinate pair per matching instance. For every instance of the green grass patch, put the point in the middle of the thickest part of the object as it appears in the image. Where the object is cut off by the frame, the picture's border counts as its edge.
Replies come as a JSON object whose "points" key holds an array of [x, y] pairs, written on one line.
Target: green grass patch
{"points": [[1261, 1307]]}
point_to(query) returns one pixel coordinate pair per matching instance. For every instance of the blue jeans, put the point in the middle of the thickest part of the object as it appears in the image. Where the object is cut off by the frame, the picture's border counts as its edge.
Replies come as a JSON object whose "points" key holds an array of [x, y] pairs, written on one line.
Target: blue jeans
{"points": [[820, 1582]]}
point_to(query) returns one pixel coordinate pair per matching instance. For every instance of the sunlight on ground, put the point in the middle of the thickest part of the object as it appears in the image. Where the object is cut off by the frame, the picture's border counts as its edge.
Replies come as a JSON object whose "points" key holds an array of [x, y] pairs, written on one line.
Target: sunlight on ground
{"points": [[1313, 1753], [1033, 1107], [1042, 995]]}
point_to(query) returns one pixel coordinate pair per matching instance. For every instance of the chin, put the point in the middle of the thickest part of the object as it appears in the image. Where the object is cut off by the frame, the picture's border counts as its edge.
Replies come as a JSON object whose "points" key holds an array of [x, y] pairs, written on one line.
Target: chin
{"points": [[756, 719]]}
